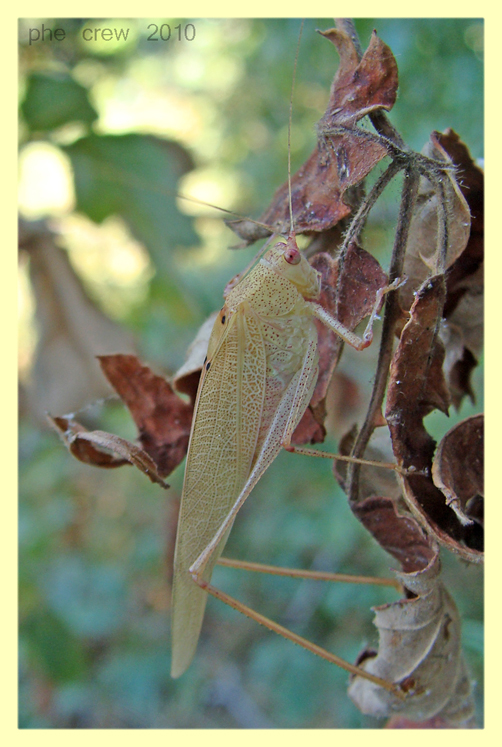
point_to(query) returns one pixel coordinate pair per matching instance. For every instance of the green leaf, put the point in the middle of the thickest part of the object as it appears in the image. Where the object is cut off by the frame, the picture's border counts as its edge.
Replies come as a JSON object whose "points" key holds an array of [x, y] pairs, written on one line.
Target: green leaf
{"points": [[53, 100], [134, 176]]}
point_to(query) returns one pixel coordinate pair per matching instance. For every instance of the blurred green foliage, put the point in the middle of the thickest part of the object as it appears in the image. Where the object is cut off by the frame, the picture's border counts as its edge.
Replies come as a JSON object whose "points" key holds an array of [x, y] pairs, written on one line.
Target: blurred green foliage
{"points": [[95, 546], [53, 100]]}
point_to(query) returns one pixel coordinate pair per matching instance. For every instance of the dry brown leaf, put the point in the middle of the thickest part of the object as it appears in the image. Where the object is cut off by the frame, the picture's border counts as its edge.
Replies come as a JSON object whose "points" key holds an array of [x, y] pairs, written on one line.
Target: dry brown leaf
{"points": [[457, 469], [416, 387], [344, 155], [361, 87], [163, 419], [457, 714], [419, 648], [310, 429], [462, 336], [397, 533], [421, 249], [344, 403], [462, 333], [372, 481], [417, 384], [470, 179], [94, 447], [72, 330], [349, 298], [186, 378]]}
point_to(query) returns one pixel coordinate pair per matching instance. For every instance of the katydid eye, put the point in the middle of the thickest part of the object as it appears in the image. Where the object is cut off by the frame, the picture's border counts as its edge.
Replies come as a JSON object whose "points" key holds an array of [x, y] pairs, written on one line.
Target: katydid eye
{"points": [[292, 256], [223, 319]]}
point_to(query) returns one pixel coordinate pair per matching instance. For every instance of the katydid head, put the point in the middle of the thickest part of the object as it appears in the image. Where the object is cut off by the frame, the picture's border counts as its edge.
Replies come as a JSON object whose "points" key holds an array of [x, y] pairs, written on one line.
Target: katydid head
{"points": [[287, 261]]}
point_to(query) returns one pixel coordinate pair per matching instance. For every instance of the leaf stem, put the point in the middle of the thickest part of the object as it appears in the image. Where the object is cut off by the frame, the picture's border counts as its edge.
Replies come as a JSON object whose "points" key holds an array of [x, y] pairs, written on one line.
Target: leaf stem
{"points": [[391, 315]]}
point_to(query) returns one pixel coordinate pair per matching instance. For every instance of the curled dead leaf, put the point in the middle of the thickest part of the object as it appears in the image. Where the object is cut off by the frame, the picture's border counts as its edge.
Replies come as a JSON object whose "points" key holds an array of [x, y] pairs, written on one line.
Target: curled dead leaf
{"points": [[417, 384], [397, 533], [462, 333], [462, 336], [419, 648], [101, 449], [422, 250], [163, 419], [361, 86], [457, 469], [373, 480], [470, 179], [457, 714]]}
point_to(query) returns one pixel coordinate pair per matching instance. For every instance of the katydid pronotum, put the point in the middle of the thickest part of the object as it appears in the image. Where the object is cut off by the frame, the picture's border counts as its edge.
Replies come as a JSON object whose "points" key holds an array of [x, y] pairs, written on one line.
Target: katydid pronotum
{"points": [[258, 378]]}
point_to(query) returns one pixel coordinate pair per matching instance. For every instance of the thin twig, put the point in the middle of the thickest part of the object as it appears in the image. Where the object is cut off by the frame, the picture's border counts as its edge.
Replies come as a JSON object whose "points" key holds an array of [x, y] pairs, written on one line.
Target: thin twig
{"points": [[443, 238], [358, 221], [391, 315]]}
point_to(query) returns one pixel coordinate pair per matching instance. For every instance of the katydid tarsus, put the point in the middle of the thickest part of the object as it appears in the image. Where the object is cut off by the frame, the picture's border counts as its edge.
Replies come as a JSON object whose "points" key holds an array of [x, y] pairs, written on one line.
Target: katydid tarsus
{"points": [[258, 378]]}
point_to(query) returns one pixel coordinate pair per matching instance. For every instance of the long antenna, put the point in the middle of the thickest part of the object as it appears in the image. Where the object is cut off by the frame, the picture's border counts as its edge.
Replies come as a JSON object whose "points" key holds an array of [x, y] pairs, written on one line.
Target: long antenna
{"points": [[289, 130]]}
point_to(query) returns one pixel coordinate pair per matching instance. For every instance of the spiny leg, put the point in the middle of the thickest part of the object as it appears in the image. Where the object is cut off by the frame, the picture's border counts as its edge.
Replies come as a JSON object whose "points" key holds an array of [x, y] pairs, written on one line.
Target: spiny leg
{"points": [[359, 343], [295, 638], [247, 565], [354, 460], [381, 292]]}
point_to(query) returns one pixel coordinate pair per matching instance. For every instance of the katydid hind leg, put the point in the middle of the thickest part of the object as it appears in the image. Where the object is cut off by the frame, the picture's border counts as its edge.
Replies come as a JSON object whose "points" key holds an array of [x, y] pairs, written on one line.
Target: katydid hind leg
{"points": [[300, 640]]}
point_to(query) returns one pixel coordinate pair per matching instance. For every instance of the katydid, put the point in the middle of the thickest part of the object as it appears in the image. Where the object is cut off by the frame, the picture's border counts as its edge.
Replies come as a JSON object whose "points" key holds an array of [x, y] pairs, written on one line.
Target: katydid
{"points": [[258, 377]]}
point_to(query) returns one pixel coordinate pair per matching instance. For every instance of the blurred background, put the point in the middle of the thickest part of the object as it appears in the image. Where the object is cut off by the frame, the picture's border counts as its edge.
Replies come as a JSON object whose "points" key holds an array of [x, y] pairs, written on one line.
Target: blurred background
{"points": [[112, 128]]}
